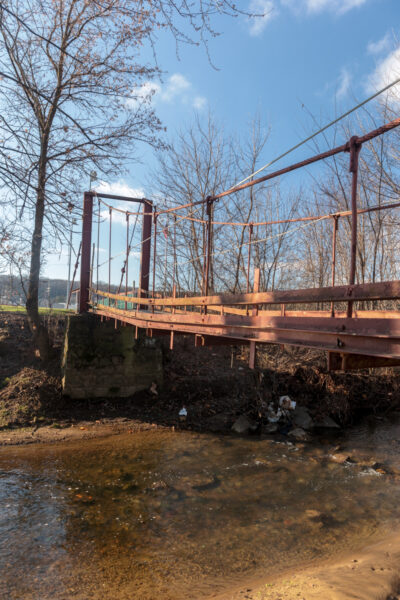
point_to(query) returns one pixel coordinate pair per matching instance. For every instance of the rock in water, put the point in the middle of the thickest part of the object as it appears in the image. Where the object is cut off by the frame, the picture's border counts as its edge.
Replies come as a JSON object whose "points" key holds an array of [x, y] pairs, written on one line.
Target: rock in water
{"points": [[242, 425], [271, 428], [311, 513], [298, 434], [327, 423], [302, 418], [342, 458]]}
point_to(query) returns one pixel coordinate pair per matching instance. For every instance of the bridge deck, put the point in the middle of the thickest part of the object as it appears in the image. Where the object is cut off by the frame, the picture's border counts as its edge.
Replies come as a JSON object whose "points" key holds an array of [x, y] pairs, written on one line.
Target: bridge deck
{"points": [[366, 338]]}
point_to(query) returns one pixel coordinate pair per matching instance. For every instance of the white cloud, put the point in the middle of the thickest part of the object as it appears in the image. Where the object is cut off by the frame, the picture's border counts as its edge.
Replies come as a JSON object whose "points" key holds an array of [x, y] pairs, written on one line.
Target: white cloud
{"points": [[143, 94], [267, 10], [379, 46], [119, 188], [344, 84], [387, 71], [339, 7], [338, 87], [176, 89], [177, 85], [199, 102]]}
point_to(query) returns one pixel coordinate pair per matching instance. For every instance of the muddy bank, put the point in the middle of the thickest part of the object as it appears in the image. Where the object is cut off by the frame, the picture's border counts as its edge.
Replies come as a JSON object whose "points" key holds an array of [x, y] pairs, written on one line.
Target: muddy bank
{"points": [[62, 431], [215, 385]]}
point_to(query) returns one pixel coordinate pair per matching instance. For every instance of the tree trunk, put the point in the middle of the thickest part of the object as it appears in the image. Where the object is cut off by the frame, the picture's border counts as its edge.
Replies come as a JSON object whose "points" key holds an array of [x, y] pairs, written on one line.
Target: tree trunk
{"points": [[39, 331]]}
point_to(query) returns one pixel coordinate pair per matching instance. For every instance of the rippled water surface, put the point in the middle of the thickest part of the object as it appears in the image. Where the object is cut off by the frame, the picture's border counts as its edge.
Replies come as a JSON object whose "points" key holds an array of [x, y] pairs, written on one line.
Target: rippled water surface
{"points": [[163, 515]]}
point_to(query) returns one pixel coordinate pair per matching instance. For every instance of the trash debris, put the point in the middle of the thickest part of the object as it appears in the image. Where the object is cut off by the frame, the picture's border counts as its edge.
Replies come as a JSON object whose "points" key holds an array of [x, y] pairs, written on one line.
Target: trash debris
{"points": [[153, 389], [370, 471], [182, 414], [273, 416], [286, 403]]}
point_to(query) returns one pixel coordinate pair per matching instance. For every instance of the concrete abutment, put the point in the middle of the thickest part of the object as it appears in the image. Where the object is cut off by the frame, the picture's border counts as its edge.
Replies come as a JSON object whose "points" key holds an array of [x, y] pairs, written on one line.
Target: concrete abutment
{"points": [[100, 360]]}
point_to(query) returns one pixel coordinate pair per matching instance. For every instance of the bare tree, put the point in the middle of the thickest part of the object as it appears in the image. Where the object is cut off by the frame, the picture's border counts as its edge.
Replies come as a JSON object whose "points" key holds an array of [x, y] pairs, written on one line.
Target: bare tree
{"points": [[201, 162], [197, 165], [72, 99], [330, 189]]}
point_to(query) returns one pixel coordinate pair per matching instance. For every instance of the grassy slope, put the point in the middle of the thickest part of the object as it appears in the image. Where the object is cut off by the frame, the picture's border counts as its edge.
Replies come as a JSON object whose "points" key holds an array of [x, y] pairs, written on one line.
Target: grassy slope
{"points": [[44, 311]]}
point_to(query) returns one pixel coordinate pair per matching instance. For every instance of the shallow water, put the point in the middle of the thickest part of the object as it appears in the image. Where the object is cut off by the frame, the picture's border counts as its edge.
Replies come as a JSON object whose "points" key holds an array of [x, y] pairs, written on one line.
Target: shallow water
{"points": [[164, 515]]}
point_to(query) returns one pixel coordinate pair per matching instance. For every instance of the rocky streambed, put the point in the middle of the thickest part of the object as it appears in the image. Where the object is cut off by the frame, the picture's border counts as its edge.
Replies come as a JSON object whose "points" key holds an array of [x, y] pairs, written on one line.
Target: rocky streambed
{"points": [[176, 514]]}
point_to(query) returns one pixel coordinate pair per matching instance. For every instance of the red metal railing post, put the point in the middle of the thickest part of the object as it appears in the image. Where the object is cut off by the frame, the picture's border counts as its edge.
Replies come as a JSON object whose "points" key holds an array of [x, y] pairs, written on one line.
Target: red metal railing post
{"points": [[126, 266], [249, 259], [248, 264], [109, 249], [166, 234], [208, 249], [174, 272], [252, 345], [334, 232], [171, 339], [354, 148], [146, 250], [86, 251], [153, 293]]}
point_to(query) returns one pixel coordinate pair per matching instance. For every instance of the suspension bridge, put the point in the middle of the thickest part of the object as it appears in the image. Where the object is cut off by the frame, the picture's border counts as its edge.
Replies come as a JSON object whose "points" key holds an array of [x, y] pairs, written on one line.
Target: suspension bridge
{"points": [[356, 324]]}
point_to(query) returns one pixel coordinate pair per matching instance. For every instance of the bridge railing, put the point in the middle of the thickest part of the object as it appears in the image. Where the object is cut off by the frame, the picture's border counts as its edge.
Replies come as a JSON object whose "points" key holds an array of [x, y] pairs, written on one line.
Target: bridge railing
{"points": [[385, 290], [308, 315]]}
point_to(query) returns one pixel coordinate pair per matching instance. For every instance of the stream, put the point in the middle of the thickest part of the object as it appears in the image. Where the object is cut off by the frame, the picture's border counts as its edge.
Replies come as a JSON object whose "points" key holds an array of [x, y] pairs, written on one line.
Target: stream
{"points": [[178, 515]]}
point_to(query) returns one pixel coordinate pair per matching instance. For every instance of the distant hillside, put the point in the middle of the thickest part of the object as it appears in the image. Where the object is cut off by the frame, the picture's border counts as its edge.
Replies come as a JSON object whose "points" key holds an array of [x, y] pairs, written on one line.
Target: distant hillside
{"points": [[51, 291]]}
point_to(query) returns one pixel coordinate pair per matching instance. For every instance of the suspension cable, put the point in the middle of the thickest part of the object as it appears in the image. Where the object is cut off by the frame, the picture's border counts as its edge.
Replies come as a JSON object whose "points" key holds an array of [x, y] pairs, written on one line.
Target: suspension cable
{"points": [[321, 130]]}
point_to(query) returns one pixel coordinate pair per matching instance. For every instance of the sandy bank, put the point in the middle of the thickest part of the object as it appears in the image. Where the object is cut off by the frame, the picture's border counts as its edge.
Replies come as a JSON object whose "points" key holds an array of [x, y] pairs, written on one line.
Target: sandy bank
{"points": [[369, 574]]}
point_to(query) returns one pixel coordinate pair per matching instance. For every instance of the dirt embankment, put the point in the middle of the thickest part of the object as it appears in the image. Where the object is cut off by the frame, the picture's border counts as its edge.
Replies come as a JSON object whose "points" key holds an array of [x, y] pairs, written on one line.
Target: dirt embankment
{"points": [[214, 384]]}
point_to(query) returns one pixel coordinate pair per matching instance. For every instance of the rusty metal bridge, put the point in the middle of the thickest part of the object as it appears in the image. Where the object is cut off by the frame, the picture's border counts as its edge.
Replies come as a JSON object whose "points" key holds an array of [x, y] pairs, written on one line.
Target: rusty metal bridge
{"points": [[331, 318]]}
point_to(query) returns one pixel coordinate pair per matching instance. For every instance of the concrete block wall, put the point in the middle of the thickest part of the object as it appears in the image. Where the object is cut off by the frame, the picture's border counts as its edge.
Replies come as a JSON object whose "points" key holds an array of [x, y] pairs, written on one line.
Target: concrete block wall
{"points": [[100, 360]]}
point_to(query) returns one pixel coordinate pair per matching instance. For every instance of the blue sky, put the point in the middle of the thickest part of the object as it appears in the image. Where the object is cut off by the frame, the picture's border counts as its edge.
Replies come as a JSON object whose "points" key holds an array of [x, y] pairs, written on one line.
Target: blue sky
{"points": [[305, 55]]}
